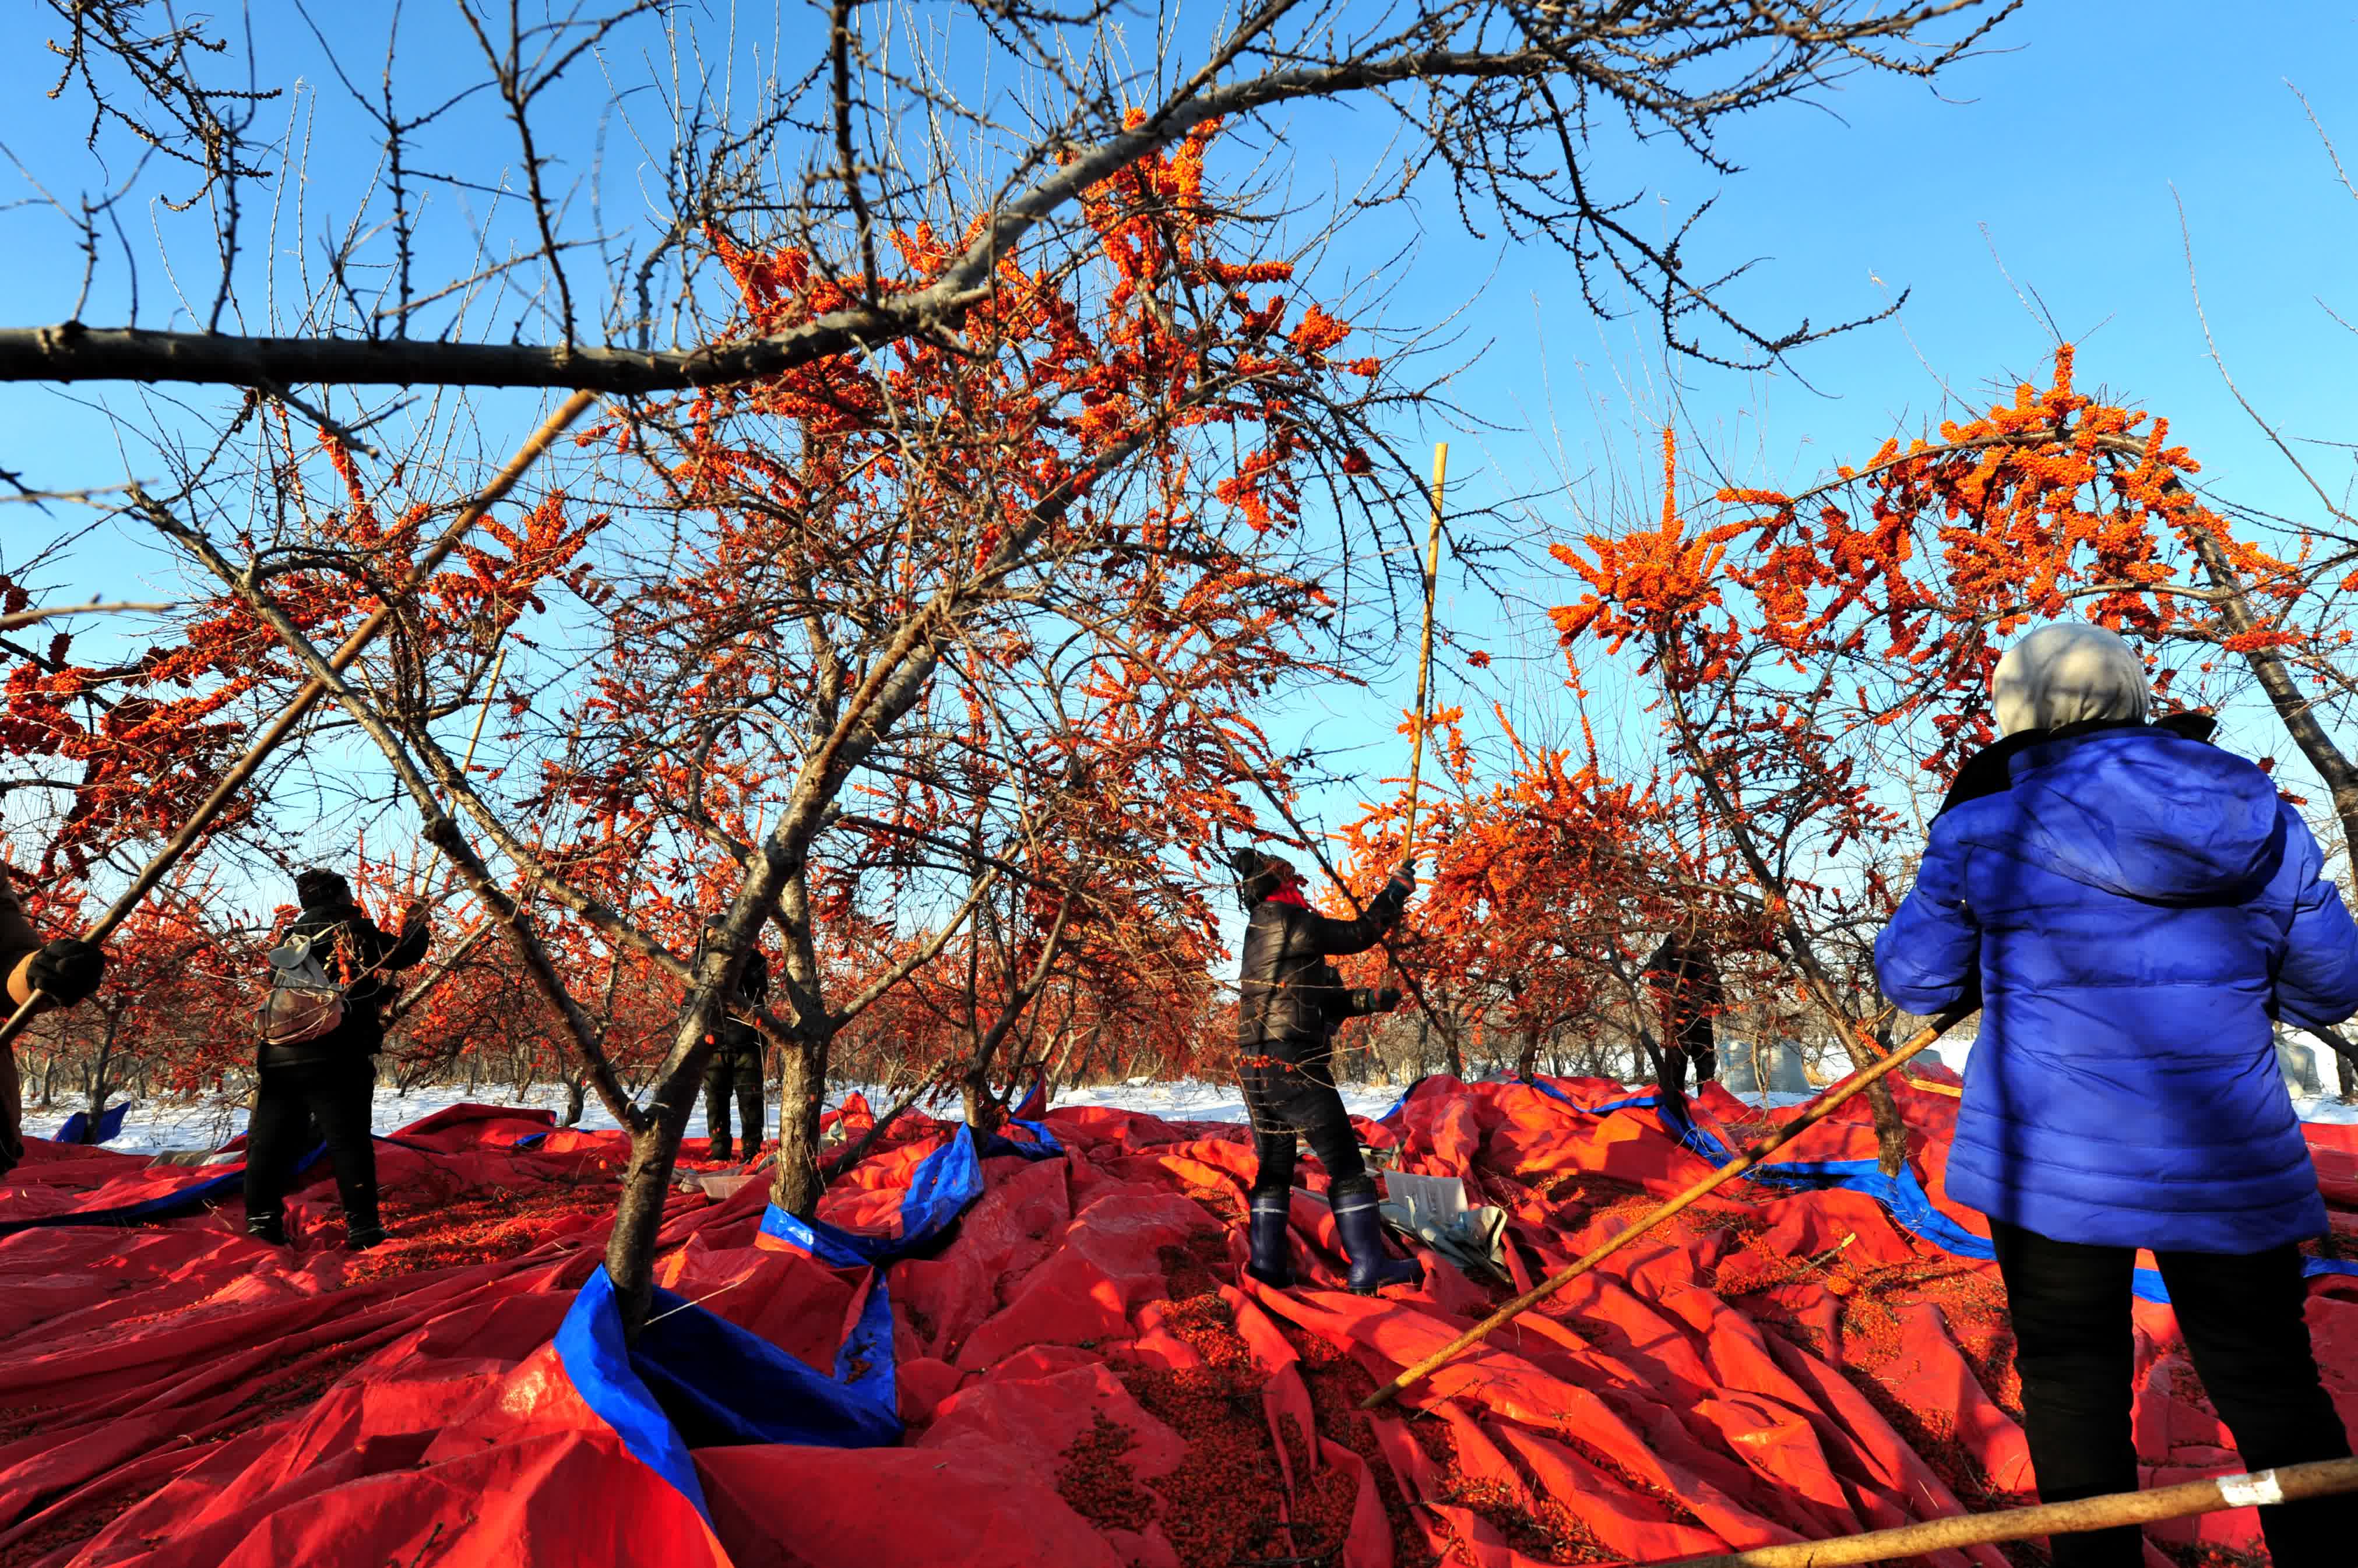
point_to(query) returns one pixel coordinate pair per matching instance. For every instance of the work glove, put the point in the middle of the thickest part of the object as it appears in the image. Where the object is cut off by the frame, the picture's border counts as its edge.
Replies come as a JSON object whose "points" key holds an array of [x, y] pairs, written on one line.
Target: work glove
{"points": [[1388, 999], [1405, 874], [68, 968]]}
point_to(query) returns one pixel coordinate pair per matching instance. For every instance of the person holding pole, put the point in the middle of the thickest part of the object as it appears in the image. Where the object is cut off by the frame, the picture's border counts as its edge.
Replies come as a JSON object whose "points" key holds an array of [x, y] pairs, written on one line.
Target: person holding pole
{"points": [[1286, 1015], [2133, 907], [64, 972], [327, 1078]]}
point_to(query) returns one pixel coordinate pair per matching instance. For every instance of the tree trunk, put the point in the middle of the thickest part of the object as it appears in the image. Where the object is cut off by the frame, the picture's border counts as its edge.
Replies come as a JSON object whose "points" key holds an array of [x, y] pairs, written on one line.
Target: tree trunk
{"points": [[2346, 1074], [981, 1105], [802, 1090], [577, 1101], [98, 1077], [638, 1217]]}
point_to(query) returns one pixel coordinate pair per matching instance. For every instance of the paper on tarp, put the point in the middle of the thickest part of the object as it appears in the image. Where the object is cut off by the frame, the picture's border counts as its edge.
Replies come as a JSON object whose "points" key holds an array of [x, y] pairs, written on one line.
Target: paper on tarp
{"points": [[1434, 1210]]}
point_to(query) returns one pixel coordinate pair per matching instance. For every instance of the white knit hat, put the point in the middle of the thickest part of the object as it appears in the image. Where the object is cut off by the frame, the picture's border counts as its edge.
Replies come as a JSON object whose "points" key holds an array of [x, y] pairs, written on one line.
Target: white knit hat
{"points": [[2065, 673]]}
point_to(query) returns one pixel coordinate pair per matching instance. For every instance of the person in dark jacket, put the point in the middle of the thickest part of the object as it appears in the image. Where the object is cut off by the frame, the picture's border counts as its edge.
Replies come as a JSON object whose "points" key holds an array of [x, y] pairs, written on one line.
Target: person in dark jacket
{"points": [[66, 972], [2133, 907], [736, 1063], [329, 1081], [1687, 996], [1291, 1000]]}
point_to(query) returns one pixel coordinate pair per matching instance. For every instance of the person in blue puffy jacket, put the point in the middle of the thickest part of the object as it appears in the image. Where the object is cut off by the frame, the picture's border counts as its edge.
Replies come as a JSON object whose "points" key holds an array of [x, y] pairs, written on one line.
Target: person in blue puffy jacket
{"points": [[2134, 908]]}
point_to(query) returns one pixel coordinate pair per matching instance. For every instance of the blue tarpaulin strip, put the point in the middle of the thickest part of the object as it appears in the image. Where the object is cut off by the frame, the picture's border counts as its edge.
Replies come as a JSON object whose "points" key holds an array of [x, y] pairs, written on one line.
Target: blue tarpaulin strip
{"points": [[719, 1384], [865, 1363], [1902, 1196], [1043, 1146], [944, 1183], [601, 1369], [1691, 1137], [188, 1200], [1400, 1104], [1035, 1104], [110, 1125]]}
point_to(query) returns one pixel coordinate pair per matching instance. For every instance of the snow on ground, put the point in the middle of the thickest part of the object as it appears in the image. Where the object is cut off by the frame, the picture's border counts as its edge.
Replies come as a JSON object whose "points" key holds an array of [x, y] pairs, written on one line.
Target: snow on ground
{"points": [[208, 1124], [1193, 1101]]}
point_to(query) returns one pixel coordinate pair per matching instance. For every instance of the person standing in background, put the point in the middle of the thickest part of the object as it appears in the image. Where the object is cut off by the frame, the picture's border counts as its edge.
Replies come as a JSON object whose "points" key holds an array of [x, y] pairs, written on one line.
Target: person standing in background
{"points": [[1687, 997], [735, 1067]]}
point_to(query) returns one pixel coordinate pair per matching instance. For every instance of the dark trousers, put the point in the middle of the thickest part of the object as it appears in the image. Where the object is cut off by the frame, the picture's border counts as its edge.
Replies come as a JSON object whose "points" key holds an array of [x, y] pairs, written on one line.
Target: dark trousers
{"points": [[1691, 1044], [1289, 1091], [735, 1067], [336, 1095], [2243, 1317]]}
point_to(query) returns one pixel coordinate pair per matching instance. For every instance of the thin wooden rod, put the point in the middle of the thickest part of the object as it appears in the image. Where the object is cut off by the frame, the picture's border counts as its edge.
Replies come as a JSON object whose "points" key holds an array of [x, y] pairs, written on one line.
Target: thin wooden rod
{"points": [[292, 715], [1424, 648], [1834, 1100], [2285, 1483]]}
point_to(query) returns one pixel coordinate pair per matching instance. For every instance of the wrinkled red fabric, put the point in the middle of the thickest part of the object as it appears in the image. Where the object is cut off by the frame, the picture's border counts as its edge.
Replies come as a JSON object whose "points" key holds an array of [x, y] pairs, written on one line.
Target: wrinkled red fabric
{"points": [[1776, 1366]]}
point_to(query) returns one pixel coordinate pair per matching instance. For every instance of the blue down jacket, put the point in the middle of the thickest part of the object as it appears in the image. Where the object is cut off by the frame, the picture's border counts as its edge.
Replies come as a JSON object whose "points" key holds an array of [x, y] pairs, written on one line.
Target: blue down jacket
{"points": [[2133, 910]]}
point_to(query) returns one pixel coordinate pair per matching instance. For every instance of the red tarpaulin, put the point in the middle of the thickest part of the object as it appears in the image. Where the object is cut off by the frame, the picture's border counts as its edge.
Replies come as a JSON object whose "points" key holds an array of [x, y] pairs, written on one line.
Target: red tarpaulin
{"points": [[1011, 1351]]}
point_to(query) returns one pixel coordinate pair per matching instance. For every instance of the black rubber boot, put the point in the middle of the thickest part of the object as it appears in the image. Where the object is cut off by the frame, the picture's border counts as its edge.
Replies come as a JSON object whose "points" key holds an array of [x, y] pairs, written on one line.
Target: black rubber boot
{"points": [[362, 1228], [269, 1227], [721, 1149], [1272, 1246], [1357, 1217]]}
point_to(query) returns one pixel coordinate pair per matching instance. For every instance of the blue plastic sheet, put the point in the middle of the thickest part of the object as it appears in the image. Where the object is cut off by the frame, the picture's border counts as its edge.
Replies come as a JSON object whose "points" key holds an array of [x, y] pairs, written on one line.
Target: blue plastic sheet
{"points": [[110, 1125], [865, 1363], [1902, 1196], [603, 1372], [1035, 1104], [696, 1381], [944, 1183], [1042, 1144], [188, 1200]]}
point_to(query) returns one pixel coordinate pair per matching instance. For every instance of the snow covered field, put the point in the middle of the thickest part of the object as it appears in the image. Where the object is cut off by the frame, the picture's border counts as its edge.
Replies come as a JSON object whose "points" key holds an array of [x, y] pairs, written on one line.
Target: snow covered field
{"points": [[208, 1124]]}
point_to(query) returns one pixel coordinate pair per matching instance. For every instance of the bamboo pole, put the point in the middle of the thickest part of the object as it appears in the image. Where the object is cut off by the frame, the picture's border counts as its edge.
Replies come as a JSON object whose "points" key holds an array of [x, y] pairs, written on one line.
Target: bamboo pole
{"points": [[2286, 1484], [1835, 1099], [292, 715], [1425, 649], [491, 690]]}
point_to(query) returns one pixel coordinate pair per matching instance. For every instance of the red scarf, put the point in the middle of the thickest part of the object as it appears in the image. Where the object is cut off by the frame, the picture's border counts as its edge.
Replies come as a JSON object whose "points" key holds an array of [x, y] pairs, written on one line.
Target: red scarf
{"points": [[1290, 893]]}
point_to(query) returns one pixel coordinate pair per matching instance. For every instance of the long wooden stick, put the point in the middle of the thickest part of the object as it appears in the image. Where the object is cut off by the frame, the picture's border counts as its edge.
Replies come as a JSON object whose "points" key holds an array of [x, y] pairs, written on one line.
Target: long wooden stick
{"points": [[491, 690], [2286, 1484], [1425, 649], [292, 715], [1835, 1099]]}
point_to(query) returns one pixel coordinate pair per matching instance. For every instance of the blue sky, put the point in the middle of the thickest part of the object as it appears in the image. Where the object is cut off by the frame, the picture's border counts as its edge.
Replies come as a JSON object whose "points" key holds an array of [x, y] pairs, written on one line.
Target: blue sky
{"points": [[2054, 166], [2061, 155]]}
